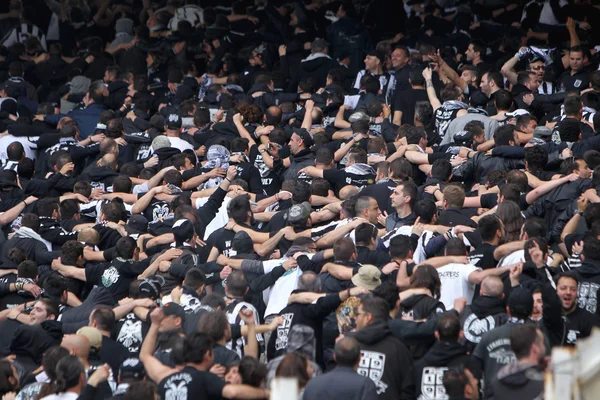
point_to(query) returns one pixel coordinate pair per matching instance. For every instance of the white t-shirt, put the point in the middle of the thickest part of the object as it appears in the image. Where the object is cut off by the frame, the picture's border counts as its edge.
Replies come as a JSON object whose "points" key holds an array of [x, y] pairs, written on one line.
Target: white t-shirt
{"points": [[180, 144], [455, 283], [29, 146], [515, 257]]}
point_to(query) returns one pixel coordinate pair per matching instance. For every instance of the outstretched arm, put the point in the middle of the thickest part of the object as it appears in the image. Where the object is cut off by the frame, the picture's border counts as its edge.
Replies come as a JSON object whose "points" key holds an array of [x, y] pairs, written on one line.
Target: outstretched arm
{"points": [[435, 103]]}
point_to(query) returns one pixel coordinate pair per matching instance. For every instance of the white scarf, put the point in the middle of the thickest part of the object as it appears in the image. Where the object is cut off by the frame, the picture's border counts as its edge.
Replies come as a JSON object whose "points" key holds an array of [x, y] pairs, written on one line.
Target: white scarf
{"points": [[28, 233]]}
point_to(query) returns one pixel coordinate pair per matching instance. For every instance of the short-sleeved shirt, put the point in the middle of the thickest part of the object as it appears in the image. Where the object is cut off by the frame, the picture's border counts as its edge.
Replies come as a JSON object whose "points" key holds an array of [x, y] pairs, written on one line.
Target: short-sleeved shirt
{"points": [[189, 383], [455, 283], [116, 276], [130, 331]]}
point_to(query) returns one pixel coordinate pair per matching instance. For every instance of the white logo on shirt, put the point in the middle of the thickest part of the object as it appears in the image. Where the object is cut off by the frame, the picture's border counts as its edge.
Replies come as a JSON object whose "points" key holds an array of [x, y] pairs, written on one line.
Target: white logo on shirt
{"points": [[432, 386], [372, 365]]}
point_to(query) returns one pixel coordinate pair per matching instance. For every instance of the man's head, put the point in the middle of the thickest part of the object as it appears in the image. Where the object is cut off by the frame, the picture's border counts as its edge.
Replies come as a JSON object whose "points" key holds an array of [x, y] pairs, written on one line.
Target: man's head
{"points": [[367, 208], [491, 228], [506, 136], [300, 140], [15, 151], [569, 130], [576, 59], [575, 166], [174, 317], [475, 52], [43, 310], [471, 75], [372, 310], [103, 318], [529, 80], [78, 345], [236, 285], [366, 235], [538, 67], [527, 342], [491, 82], [492, 286], [526, 123], [310, 282], [347, 353], [374, 61], [461, 384], [566, 288], [405, 194], [126, 248], [520, 303], [454, 197], [197, 348], [448, 328], [215, 325], [400, 57]]}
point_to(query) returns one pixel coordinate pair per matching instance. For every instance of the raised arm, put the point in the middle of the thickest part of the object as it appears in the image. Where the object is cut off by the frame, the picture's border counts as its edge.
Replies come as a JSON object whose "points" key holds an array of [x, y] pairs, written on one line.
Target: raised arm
{"points": [[308, 109], [508, 69], [435, 103], [156, 370], [450, 72]]}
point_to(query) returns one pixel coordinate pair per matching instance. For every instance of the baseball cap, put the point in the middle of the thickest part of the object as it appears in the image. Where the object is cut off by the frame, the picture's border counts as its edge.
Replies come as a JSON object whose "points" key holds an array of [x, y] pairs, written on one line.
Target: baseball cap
{"points": [[299, 212], [305, 136], [93, 335], [520, 301], [173, 121], [149, 288], [131, 369], [464, 138], [137, 224], [242, 243], [517, 113], [368, 277], [378, 54], [174, 309], [183, 230], [160, 142], [542, 132]]}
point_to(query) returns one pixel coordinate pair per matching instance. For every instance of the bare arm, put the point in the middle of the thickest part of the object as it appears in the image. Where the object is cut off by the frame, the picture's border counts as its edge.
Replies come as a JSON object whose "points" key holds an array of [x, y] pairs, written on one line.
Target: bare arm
{"points": [[435, 103], [12, 214], [143, 202], [476, 277], [329, 239], [507, 248], [508, 69], [338, 271], [156, 370], [451, 73], [340, 122], [307, 120], [547, 187], [342, 151], [268, 246]]}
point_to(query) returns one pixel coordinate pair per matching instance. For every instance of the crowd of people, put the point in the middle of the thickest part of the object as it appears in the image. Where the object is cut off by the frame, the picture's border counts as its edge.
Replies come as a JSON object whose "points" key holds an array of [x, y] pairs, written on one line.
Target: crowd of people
{"points": [[380, 199]]}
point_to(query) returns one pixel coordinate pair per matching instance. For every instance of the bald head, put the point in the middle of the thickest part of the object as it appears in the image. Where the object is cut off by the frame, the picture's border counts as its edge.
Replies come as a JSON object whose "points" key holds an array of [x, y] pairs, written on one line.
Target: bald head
{"points": [[109, 160], [492, 286], [310, 282], [348, 191], [347, 352], [88, 235], [77, 345], [108, 145]]}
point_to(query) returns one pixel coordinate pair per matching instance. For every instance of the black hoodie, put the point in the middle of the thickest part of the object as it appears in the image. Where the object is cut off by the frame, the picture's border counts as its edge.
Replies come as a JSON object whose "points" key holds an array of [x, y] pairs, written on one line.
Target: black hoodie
{"points": [[387, 361], [589, 283], [430, 369], [523, 381], [99, 176], [317, 66], [484, 314], [420, 307]]}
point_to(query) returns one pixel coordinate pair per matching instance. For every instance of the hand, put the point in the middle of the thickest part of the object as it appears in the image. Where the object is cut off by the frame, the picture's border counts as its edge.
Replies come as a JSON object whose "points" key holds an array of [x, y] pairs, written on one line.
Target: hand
{"points": [[201, 151], [254, 20], [537, 256], [431, 189], [282, 50], [284, 195], [130, 115], [222, 260], [216, 172], [458, 160], [161, 189], [582, 202], [572, 177], [247, 315], [459, 304], [570, 24], [577, 247], [176, 294], [276, 255], [164, 265], [528, 98], [511, 7], [389, 268], [237, 118], [152, 162], [418, 227], [157, 316], [32, 288], [381, 218], [566, 153], [264, 130], [218, 370], [427, 74], [31, 199], [56, 264], [231, 172], [387, 111], [289, 264], [14, 313], [219, 116], [10, 396], [67, 168], [100, 375], [97, 138], [356, 291], [171, 254], [309, 105], [89, 59], [225, 272], [585, 26], [146, 303], [515, 272]]}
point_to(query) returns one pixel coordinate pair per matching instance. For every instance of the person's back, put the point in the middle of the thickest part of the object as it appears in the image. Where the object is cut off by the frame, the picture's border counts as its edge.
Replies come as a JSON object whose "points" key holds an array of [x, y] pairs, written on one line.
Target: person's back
{"points": [[455, 283], [343, 382]]}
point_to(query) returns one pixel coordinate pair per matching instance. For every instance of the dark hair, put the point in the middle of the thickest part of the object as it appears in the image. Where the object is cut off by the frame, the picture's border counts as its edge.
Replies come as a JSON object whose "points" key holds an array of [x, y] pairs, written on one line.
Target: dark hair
{"points": [[504, 135], [68, 208], [252, 371], [71, 251], [343, 249], [195, 278], [448, 327], [237, 285], [591, 248], [425, 209], [347, 352], [27, 269], [54, 287], [509, 213], [365, 233], [140, 390], [238, 209], [294, 365], [401, 169], [213, 324], [400, 246], [495, 76], [409, 189], [534, 226], [454, 247], [214, 301], [68, 373], [197, 344], [511, 192], [488, 225], [320, 187], [6, 372], [46, 206], [427, 277], [324, 156], [104, 317], [522, 337], [568, 165], [536, 157], [503, 99], [441, 169], [389, 291], [423, 112], [125, 247], [572, 105], [540, 242], [569, 130], [377, 307]]}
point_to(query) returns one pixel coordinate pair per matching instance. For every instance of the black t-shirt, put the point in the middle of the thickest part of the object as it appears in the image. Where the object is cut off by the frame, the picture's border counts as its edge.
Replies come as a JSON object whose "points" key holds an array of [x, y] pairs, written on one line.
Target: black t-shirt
{"points": [[112, 353], [130, 331], [483, 256], [224, 356], [339, 179], [251, 175], [270, 180], [157, 210], [221, 239], [579, 81], [189, 383], [116, 276], [405, 101]]}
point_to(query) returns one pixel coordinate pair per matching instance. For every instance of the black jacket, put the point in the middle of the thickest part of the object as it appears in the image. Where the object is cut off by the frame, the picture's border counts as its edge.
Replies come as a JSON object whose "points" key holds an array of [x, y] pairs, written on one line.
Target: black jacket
{"points": [[387, 361], [484, 314], [589, 283], [430, 369], [316, 66], [302, 159], [35, 250], [420, 307], [519, 381], [477, 168]]}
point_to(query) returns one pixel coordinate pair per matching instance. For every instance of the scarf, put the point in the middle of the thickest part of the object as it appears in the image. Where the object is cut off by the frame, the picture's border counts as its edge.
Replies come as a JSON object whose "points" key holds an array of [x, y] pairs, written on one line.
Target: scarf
{"points": [[28, 233]]}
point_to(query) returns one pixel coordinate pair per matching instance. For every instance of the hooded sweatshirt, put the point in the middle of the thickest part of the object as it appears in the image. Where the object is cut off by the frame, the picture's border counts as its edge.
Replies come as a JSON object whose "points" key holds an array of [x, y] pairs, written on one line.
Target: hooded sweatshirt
{"points": [[520, 380], [430, 369], [420, 307], [483, 315], [386, 361]]}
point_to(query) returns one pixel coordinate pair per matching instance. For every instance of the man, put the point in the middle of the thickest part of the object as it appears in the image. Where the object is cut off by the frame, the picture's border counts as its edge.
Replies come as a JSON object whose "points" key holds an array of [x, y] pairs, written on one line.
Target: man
{"points": [[111, 352], [494, 351], [527, 342], [400, 65], [403, 199], [383, 357], [318, 64], [446, 353], [173, 125], [452, 204], [300, 144], [491, 229], [374, 67], [486, 312], [384, 187], [589, 275], [474, 55], [28, 239], [343, 382], [576, 77], [461, 385], [311, 315], [459, 280], [193, 380], [491, 82], [405, 100]]}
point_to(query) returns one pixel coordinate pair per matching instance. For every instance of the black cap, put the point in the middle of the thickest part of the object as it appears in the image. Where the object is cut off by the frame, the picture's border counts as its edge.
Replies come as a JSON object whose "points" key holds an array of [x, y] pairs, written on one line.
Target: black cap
{"points": [[520, 302], [173, 121], [377, 54], [131, 369], [149, 288], [305, 136], [174, 309], [137, 224], [463, 138], [242, 243], [183, 230]]}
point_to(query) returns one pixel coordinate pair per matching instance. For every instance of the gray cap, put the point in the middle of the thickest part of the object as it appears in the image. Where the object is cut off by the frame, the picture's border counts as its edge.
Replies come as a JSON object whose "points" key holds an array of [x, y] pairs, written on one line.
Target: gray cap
{"points": [[299, 212], [80, 84], [160, 141]]}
